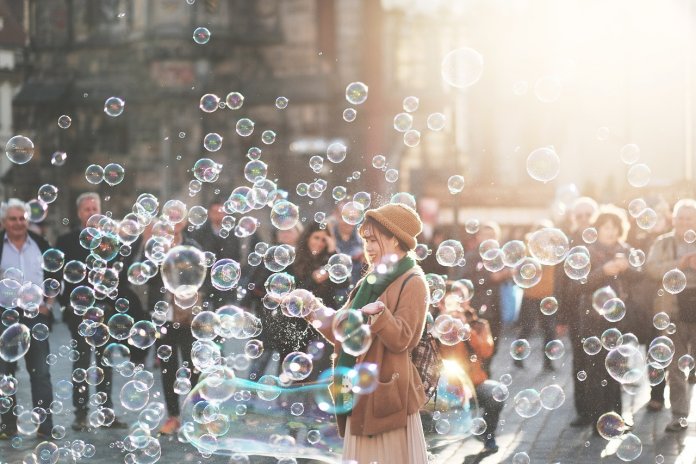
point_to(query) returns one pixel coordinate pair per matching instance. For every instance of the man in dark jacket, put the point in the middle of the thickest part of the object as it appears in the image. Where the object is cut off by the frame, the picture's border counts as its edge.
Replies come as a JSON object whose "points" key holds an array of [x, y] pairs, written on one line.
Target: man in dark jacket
{"points": [[23, 251], [88, 204]]}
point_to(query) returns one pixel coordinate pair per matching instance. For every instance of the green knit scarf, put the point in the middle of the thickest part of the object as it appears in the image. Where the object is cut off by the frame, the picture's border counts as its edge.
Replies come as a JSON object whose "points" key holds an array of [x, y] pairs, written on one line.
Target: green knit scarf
{"points": [[371, 287]]}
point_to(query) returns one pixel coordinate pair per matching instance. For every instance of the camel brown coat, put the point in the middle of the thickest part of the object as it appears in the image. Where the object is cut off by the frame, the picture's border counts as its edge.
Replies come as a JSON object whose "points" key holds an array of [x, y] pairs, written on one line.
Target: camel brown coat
{"points": [[395, 332]]}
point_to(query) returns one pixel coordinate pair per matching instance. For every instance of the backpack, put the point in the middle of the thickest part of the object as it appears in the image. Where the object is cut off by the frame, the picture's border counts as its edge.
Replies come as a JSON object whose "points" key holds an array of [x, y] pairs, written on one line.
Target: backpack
{"points": [[426, 357]]}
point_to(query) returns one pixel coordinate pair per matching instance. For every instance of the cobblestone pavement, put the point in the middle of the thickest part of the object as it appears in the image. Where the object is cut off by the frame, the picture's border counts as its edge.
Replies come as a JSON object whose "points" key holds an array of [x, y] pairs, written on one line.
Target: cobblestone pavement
{"points": [[546, 438]]}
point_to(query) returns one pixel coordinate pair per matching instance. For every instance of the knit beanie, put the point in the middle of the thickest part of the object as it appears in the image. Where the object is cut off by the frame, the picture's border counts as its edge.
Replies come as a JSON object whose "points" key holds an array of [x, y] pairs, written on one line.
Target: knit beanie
{"points": [[400, 220]]}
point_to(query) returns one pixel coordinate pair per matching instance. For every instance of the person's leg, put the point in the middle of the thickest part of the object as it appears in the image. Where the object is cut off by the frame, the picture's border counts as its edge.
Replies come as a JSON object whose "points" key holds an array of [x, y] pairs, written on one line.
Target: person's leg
{"points": [[169, 368], [580, 385], [81, 390], [548, 325], [186, 340], [527, 318], [679, 389], [40, 378], [491, 407], [106, 384]]}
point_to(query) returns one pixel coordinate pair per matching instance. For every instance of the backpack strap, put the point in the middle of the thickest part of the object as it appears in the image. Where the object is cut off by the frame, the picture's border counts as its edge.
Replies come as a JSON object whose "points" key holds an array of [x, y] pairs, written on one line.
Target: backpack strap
{"points": [[403, 285]]}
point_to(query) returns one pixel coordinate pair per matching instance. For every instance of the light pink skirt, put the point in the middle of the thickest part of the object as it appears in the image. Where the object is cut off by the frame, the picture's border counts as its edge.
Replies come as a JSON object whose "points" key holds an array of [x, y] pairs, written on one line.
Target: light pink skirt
{"points": [[405, 445]]}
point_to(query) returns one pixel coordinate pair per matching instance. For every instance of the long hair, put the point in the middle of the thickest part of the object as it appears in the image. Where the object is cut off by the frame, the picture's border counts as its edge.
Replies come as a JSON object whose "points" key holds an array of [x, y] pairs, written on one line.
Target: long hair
{"points": [[305, 261]]}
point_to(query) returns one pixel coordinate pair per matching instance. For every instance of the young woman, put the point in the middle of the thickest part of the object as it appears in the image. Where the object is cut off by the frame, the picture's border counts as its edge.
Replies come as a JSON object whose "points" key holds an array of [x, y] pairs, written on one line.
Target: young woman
{"points": [[384, 425]]}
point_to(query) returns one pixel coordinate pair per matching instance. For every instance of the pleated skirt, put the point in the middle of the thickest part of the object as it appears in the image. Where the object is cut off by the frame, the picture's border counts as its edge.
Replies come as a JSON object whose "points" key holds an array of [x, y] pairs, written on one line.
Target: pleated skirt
{"points": [[403, 446]]}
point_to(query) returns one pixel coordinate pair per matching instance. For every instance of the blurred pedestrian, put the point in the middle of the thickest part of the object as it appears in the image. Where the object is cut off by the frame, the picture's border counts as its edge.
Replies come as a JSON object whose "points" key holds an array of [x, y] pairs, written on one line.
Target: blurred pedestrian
{"points": [[677, 250], [22, 251], [175, 337], [384, 425], [595, 391], [469, 356], [88, 205], [348, 242]]}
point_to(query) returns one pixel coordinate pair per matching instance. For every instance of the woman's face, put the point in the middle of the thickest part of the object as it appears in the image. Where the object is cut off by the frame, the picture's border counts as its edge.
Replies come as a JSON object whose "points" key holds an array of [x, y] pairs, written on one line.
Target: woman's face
{"points": [[317, 242], [377, 246], [608, 233], [288, 237]]}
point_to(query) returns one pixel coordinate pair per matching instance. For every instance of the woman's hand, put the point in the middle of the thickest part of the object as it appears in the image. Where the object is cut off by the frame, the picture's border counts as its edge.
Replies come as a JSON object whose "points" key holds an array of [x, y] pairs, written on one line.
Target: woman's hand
{"points": [[330, 243], [373, 308]]}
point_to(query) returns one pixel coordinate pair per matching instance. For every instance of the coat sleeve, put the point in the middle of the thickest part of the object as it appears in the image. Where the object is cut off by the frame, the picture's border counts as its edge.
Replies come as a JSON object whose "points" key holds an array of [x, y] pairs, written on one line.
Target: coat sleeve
{"points": [[322, 321], [398, 327]]}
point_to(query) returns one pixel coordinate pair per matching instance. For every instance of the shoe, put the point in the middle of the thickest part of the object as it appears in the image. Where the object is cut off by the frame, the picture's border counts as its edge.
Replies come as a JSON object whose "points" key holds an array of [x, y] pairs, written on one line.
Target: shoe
{"points": [[117, 424], [170, 427], [676, 426], [7, 435], [44, 436], [655, 405], [80, 423], [518, 363], [489, 447], [580, 422]]}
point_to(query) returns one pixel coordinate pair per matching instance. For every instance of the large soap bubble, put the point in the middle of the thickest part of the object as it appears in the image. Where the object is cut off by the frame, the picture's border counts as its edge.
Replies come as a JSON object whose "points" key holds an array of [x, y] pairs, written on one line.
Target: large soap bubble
{"points": [[183, 271], [462, 67], [14, 342]]}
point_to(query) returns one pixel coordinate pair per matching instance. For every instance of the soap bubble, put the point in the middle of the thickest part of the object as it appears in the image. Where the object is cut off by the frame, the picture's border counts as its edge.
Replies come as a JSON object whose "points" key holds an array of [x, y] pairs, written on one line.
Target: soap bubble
{"points": [[14, 342], [661, 320], [552, 397], [114, 106], [548, 245], [462, 67], [527, 403], [234, 101], [356, 93], [410, 104], [674, 281], [411, 139], [592, 345], [391, 175], [548, 306], [284, 215], [455, 184], [647, 219], [611, 425], [281, 103], [134, 395], [636, 257], [661, 349], [630, 153], [352, 213], [554, 349], [403, 122], [527, 273], [449, 253], [53, 260], [639, 175], [212, 142], [543, 164], [520, 349], [513, 252], [209, 103], [336, 152], [48, 193], [201, 35], [436, 121], [268, 137], [630, 448], [245, 127], [64, 121], [625, 364], [520, 458], [611, 338], [114, 174], [297, 366], [19, 149], [589, 235], [94, 174], [349, 114], [183, 271], [58, 158]]}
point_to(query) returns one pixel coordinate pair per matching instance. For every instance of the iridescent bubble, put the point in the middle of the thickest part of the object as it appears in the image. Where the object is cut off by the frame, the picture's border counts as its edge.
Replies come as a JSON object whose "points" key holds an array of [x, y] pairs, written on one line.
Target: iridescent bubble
{"points": [[462, 67], [527, 403], [391, 175], [639, 175], [297, 366], [201, 35], [403, 198], [412, 138], [592, 345], [554, 349], [58, 158], [204, 325], [661, 320], [661, 349], [349, 114], [543, 164], [449, 253], [436, 121], [134, 396], [611, 338], [520, 349], [37, 210], [403, 122], [336, 152], [437, 286], [548, 305], [197, 215], [356, 93], [552, 397], [19, 149], [268, 137], [589, 235], [646, 219], [246, 226], [53, 260], [379, 161], [284, 215], [245, 127], [48, 193], [548, 245], [520, 458], [455, 184], [685, 363], [527, 273], [352, 213], [234, 101], [611, 425], [14, 342], [636, 257], [114, 174], [410, 104], [114, 106], [212, 142], [630, 448], [674, 281], [225, 274], [183, 271], [625, 364], [64, 121], [281, 103], [94, 174], [630, 153], [255, 170], [209, 103]]}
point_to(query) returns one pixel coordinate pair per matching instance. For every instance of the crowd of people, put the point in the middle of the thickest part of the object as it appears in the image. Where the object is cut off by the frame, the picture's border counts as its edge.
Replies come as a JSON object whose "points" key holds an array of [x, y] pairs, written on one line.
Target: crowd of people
{"points": [[613, 243]]}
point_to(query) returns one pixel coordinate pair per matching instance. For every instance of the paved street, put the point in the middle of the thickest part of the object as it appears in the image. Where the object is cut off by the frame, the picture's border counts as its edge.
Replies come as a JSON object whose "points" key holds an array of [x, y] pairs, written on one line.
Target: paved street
{"points": [[546, 438]]}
